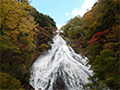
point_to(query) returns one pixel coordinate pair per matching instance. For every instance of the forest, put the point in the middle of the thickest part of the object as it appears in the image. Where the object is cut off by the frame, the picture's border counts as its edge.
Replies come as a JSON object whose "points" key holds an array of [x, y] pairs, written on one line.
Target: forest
{"points": [[24, 35], [96, 35]]}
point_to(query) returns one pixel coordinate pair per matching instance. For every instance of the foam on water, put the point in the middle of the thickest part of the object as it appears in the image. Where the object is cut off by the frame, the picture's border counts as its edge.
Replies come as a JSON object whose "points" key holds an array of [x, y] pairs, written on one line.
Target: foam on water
{"points": [[60, 66]]}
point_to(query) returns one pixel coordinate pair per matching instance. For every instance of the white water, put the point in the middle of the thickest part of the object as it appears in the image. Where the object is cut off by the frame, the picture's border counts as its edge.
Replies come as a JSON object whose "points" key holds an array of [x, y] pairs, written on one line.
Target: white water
{"points": [[60, 68]]}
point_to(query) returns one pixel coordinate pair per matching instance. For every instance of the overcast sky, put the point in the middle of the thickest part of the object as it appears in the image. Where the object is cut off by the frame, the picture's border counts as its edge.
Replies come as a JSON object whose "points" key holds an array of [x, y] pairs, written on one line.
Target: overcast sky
{"points": [[62, 10]]}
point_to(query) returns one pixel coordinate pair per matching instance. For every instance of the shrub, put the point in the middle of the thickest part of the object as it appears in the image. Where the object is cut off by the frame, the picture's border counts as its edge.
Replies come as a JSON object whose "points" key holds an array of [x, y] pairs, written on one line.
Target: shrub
{"points": [[9, 82]]}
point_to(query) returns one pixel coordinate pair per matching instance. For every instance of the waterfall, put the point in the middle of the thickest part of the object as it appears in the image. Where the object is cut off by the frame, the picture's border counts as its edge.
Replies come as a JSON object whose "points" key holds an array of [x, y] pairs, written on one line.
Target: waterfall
{"points": [[60, 68]]}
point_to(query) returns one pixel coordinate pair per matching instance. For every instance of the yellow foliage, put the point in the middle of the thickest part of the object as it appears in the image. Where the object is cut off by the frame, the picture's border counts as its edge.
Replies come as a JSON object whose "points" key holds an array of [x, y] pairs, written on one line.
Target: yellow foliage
{"points": [[113, 35], [43, 47], [9, 83], [17, 26]]}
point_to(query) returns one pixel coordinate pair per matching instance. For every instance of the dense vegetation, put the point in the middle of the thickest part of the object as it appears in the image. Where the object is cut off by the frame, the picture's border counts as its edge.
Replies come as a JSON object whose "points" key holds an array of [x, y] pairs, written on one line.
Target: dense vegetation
{"points": [[24, 35], [96, 35]]}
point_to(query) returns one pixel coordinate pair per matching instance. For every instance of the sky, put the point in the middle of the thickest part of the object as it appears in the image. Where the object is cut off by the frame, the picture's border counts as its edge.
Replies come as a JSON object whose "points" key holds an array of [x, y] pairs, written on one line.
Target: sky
{"points": [[62, 10]]}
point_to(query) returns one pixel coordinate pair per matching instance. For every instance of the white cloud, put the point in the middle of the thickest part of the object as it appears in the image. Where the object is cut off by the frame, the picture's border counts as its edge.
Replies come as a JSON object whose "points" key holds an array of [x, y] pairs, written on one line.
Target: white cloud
{"points": [[59, 26], [75, 12], [86, 6], [67, 14]]}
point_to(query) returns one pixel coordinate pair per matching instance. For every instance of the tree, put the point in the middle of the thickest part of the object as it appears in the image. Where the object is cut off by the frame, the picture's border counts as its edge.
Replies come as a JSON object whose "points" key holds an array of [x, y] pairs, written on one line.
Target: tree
{"points": [[106, 68], [17, 43], [74, 28], [43, 20], [16, 26], [97, 37], [23, 1], [22, 38], [101, 40], [9, 82]]}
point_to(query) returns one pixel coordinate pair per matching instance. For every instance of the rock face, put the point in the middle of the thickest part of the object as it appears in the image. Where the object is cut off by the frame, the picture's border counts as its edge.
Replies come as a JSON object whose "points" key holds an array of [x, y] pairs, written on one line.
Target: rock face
{"points": [[59, 84]]}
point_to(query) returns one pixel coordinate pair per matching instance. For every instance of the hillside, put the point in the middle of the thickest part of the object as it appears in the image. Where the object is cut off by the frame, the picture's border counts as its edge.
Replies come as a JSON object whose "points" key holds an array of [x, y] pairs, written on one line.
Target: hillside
{"points": [[96, 35], [25, 34]]}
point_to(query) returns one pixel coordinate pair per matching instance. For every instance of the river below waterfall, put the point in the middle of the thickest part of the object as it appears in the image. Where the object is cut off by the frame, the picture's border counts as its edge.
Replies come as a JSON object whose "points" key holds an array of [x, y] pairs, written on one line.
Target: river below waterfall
{"points": [[60, 68]]}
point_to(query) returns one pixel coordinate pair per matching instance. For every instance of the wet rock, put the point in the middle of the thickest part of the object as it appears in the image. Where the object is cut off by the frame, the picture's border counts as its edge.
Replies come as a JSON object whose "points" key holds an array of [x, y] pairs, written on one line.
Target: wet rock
{"points": [[59, 84], [28, 87]]}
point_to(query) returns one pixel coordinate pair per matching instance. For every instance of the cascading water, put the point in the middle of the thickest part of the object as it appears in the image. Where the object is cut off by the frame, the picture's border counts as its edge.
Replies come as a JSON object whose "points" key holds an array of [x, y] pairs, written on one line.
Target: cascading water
{"points": [[59, 69]]}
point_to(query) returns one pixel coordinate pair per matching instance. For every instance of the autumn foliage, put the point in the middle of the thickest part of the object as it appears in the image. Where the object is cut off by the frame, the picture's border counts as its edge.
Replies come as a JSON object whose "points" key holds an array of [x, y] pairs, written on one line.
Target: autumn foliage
{"points": [[98, 34], [9, 82], [22, 37], [97, 37]]}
